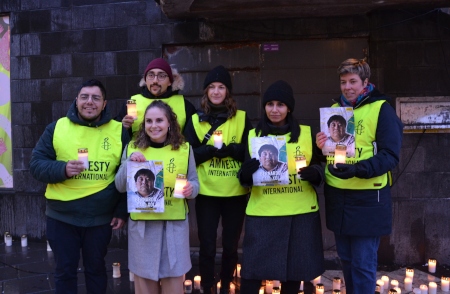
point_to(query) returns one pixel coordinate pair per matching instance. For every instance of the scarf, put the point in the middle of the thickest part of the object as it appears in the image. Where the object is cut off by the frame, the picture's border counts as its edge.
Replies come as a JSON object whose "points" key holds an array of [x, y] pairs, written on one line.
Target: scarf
{"points": [[364, 93]]}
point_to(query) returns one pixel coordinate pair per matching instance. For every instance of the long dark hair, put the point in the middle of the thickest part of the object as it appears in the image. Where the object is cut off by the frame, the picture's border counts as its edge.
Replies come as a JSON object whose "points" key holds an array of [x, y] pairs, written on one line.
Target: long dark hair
{"points": [[263, 129], [174, 136], [228, 102]]}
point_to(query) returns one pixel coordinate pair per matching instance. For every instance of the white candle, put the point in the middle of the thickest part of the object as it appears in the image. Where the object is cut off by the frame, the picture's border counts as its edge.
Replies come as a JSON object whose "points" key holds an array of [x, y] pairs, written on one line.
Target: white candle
{"points": [[116, 270], [320, 289], [336, 291], [24, 241], [218, 141], [410, 273], [445, 284], [269, 286], [83, 156], [276, 290], [392, 291], [232, 288], [238, 270], [131, 275], [131, 108], [336, 283], [399, 291], [188, 286], [4, 235], [300, 162], [432, 288], [432, 265], [8, 239], [261, 290], [219, 285], [276, 283], [180, 182], [340, 154], [424, 289], [317, 281], [394, 283], [301, 285], [381, 284], [197, 280], [48, 246], [408, 284], [385, 279]]}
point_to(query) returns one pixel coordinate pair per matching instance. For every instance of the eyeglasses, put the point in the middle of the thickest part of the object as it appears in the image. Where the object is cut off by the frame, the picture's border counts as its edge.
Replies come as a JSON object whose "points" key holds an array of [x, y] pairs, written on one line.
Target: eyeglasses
{"points": [[161, 76], [94, 98]]}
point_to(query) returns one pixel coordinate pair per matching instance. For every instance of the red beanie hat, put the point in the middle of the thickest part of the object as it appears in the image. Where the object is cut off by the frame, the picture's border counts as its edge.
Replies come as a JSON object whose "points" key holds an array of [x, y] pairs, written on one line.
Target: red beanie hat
{"points": [[161, 64]]}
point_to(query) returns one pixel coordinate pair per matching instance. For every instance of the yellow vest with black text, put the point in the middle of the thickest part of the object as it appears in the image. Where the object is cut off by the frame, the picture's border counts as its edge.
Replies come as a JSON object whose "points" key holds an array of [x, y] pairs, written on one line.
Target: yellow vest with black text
{"points": [[104, 145], [298, 197], [175, 101], [175, 162], [366, 121], [218, 176]]}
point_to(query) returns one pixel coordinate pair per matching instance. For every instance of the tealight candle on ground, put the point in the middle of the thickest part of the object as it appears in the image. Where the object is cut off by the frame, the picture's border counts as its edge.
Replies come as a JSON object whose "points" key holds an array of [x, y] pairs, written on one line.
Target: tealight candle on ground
{"points": [[432, 288], [410, 273], [4, 235], [394, 284], [432, 265], [197, 280], [399, 291], [116, 270], [445, 284], [188, 286], [24, 241], [385, 279], [424, 289], [8, 240]]}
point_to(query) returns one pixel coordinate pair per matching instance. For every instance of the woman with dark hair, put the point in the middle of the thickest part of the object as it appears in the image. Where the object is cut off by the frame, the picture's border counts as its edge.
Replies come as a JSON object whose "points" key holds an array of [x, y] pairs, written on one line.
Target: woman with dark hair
{"points": [[158, 243], [283, 235], [221, 195]]}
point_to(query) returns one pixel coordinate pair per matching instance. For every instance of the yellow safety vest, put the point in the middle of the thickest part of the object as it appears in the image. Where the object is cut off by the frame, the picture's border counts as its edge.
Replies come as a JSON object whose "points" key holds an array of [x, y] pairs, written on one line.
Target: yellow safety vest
{"points": [[218, 176], [175, 162], [175, 101], [298, 196], [366, 121], [104, 145]]}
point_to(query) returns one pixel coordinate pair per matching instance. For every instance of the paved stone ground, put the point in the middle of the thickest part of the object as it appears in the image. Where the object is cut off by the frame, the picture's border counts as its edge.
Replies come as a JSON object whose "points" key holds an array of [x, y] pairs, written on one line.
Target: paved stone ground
{"points": [[29, 270]]}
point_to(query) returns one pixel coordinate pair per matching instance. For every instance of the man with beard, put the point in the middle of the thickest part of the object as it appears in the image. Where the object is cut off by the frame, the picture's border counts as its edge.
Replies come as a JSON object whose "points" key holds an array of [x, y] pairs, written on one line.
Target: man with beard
{"points": [[160, 82]]}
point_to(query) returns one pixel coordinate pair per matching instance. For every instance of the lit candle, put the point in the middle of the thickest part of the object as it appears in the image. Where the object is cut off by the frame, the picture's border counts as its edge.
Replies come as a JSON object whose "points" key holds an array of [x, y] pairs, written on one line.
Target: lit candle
{"points": [[300, 161], [180, 182], [336, 291], [219, 285], [188, 286], [432, 265], [131, 276], [410, 273], [83, 156], [301, 292], [4, 235], [399, 291], [432, 288], [301, 285], [339, 154], [276, 290], [381, 284], [131, 108], [392, 291], [116, 270], [8, 239], [394, 283], [218, 142], [336, 283], [385, 279], [269, 286], [317, 281], [49, 248], [261, 290], [197, 280], [445, 284], [408, 284], [238, 270], [24, 241], [232, 288], [276, 283], [320, 289], [424, 289], [378, 289]]}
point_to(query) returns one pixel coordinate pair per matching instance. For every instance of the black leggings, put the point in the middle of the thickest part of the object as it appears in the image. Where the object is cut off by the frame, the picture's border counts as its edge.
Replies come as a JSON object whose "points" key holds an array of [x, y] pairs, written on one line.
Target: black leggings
{"points": [[252, 286]]}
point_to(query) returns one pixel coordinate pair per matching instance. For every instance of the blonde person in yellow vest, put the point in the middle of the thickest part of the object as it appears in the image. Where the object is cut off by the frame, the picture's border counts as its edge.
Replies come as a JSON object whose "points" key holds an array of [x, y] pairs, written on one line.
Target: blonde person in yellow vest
{"points": [[357, 193], [221, 196], [283, 234], [158, 243], [160, 82], [83, 204]]}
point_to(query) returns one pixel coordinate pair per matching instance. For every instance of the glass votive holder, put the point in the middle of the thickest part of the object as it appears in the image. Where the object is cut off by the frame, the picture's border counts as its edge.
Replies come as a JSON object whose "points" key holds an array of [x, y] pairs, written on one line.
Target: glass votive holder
{"points": [[24, 241], [116, 270]]}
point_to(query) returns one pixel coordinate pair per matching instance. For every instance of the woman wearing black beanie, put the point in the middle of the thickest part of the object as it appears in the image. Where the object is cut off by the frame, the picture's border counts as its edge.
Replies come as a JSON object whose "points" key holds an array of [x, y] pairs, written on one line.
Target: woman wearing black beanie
{"points": [[221, 195], [283, 236]]}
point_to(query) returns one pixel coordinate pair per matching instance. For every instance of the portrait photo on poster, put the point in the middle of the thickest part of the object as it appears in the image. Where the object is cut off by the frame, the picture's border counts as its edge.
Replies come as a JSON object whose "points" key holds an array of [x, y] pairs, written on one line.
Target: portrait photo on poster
{"points": [[338, 123], [271, 153], [145, 186]]}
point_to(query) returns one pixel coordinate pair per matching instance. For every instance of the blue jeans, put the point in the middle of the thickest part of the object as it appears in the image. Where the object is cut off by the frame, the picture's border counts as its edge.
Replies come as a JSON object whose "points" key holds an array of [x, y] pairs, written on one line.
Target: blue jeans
{"points": [[359, 262], [66, 241]]}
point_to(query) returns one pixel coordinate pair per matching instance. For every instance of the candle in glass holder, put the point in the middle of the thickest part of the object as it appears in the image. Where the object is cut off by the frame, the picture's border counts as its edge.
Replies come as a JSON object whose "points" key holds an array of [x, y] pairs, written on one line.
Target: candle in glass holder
{"points": [[392, 291], [445, 284], [197, 280], [116, 270], [301, 285], [8, 240], [218, 140], [394, 283], [399, 291], [320, 289], [340, 154], [336, 291], [219, 285], [24, 241], [269, 286], [380, 282], [238, 270], [180, 182], [83, 156], [336, 283], [276, 290], [188, 286], [410, 273], [432, 265], [317, 281], [232, 288], [424, 289], [131, 276], [4, 235], [131, 108], [261, 290], [385, 279], [432, 288], [408, 284]]}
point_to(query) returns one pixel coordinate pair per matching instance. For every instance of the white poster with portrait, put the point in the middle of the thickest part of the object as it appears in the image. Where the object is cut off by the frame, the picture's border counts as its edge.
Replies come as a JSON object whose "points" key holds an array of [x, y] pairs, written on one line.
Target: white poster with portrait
{"points": [[338, 123], [145, 186], [271, 153]]}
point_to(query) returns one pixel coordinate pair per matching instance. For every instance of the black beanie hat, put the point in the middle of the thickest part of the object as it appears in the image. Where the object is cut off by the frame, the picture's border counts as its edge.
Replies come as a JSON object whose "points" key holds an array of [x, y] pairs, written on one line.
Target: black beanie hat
{"points": [[280, 91], [218, 74]]}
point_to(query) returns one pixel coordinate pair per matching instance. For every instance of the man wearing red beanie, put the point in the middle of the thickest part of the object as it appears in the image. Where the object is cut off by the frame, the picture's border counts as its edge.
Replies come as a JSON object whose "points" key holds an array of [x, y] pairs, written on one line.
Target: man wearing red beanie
{"points": [[160, 82]]}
